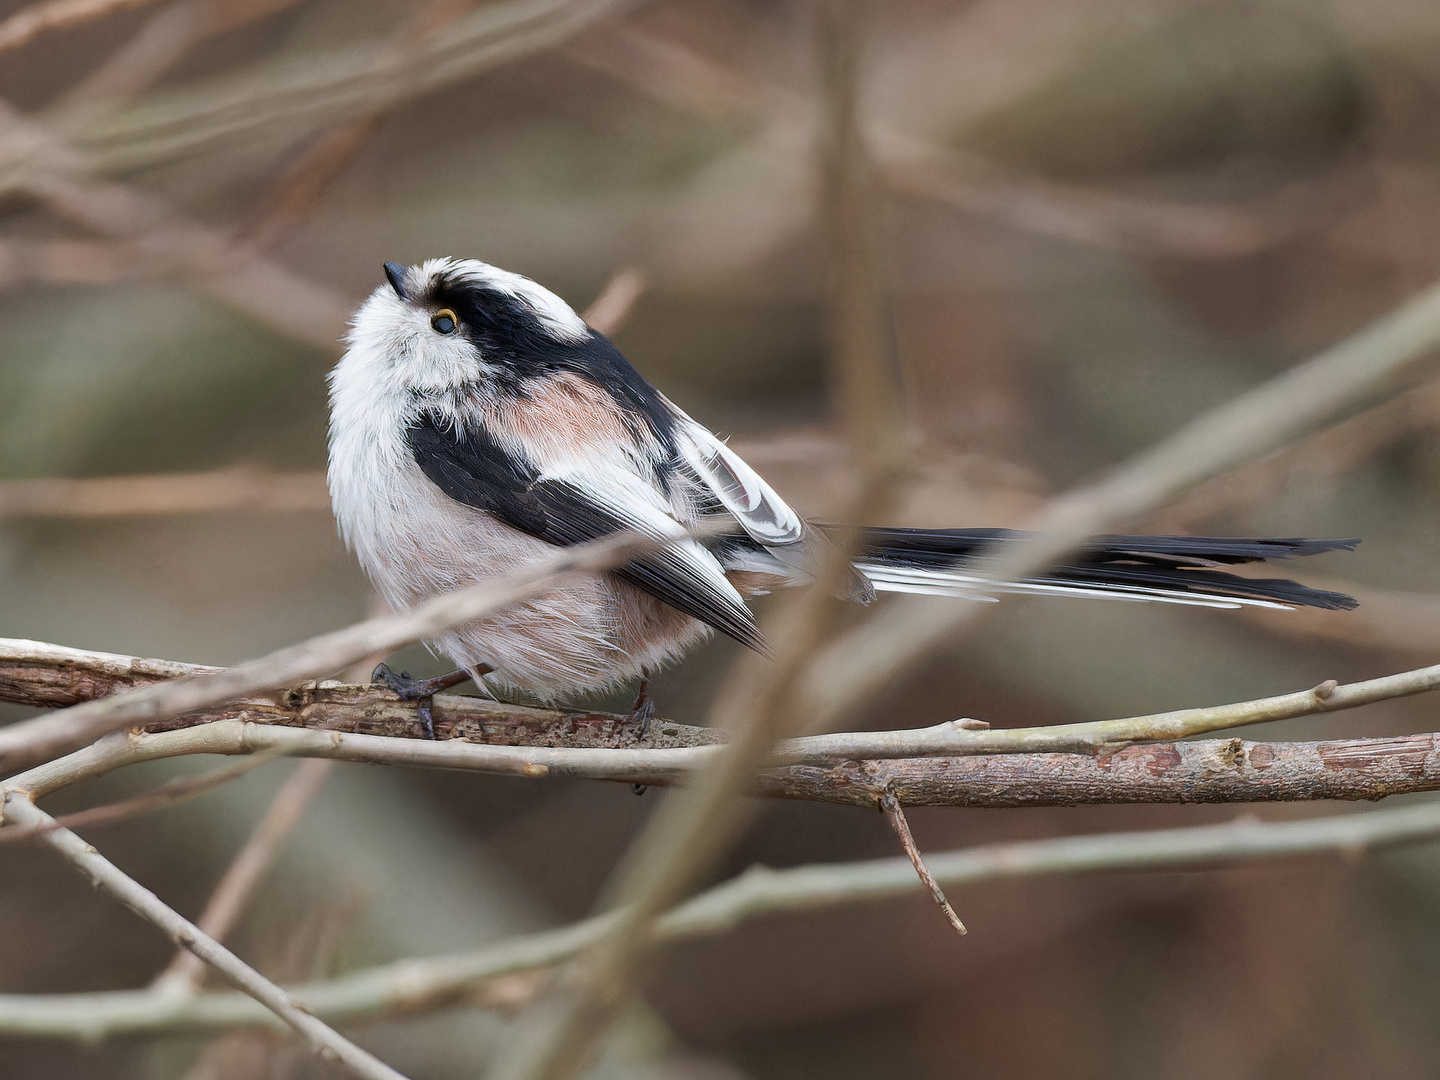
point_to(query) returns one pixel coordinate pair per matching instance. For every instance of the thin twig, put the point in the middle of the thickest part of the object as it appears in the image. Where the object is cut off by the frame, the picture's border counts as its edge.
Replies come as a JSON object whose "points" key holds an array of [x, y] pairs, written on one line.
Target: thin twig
{"points": [[895, 813], [1212, 770], [611, 309], [301, 187], [38, 673], [418, 984], [171, 793], [103, 874], [329, 88], [30, 22], [242, 488], [246, 870]]}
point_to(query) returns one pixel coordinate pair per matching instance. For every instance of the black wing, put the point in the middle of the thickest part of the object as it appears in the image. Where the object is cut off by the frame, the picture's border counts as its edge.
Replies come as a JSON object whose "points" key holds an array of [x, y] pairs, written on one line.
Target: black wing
{"points": [[470, 467]]}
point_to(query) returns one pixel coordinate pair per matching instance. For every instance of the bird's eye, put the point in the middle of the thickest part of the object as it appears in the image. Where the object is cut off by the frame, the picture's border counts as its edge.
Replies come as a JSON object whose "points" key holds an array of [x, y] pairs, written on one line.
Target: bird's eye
{"points": [[444, 322]]}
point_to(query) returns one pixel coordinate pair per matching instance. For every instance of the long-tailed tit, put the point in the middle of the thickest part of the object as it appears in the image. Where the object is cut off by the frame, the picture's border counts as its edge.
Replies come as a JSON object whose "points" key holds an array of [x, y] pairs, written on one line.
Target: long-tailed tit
{"points": [[476, 422]]}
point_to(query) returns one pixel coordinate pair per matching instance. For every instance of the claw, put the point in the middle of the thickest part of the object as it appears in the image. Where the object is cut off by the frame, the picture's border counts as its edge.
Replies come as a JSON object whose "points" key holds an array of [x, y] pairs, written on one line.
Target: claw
{"points": [[418, 690], [410, 689]]}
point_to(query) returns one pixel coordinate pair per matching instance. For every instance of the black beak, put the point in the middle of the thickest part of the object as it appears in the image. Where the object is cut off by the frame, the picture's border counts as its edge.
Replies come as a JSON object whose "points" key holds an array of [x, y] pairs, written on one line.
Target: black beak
{"points": [[396, 273]]}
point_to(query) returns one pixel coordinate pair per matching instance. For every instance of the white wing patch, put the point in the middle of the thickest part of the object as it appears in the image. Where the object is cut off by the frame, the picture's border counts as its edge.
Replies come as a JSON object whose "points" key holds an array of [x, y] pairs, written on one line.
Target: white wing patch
{"points": [[763, 515], [616, 487], [946, 582]]}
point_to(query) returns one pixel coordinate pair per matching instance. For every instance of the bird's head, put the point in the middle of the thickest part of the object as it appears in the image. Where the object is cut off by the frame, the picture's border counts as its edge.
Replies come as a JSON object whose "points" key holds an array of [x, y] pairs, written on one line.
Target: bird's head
{"points": [[448, 322]]}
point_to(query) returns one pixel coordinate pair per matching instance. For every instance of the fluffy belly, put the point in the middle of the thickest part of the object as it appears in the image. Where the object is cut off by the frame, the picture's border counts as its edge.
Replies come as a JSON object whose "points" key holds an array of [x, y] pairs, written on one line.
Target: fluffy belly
{"points": [[594, 634]]}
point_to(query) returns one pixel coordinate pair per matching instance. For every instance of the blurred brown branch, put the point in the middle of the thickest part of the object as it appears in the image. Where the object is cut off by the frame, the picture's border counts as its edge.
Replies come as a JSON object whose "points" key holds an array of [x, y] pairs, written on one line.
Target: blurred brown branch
{"points": [[1322, 456], [173, 493], [177, 790], [679, 76], [30, 22], [609, 311], [301, 93], [422, 983], [153, 238], [299, 190]]}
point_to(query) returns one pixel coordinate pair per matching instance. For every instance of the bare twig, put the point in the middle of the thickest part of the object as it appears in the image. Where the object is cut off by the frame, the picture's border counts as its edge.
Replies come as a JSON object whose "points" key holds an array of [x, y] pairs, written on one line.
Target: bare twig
{"points": [[1325, 455], [103, 874], [37, 739], [171, 793], [1217, 770], [30, 22], [611, 309], [303, 184], [895, 813], [1213, 770], [241, 488], [412, 985], [329, 89], [246, 871]]}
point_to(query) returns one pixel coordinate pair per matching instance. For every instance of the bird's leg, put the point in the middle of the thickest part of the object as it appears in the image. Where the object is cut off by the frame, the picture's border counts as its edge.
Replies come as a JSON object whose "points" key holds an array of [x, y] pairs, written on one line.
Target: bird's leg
{"points": [[421, 691], [643, 711]]}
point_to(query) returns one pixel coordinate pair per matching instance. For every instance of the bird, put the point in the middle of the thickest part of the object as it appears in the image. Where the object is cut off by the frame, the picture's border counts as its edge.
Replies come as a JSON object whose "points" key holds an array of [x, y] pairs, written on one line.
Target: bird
{"points": [[477, 423]]}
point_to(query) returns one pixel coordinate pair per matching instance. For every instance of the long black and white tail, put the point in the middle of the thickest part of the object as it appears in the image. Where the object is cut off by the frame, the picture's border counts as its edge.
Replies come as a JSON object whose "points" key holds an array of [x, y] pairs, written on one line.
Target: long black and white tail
{"points": [[1168, 569]]}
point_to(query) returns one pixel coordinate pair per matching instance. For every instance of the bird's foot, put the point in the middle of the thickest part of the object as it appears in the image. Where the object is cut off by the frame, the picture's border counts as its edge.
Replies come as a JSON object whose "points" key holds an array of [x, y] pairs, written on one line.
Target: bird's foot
{"points": [[407, 688], [422, 691]]}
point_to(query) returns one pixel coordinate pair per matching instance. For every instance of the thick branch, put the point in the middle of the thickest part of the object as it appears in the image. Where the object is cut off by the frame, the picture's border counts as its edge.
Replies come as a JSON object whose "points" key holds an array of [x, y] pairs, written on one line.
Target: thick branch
{"points": [[1216, 770], [37, 673], [1211, 771]]}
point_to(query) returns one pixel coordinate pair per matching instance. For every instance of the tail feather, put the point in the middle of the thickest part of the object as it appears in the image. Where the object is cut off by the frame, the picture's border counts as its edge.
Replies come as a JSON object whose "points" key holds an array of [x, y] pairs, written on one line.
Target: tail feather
{"points": [[1171, 569]]}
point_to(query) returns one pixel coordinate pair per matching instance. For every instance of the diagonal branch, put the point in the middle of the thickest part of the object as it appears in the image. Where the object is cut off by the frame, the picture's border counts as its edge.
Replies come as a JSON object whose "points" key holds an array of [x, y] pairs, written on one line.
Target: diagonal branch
{"points": [[896, 815], [245, 872], [301, 93], [30, 22], [103, 874]]}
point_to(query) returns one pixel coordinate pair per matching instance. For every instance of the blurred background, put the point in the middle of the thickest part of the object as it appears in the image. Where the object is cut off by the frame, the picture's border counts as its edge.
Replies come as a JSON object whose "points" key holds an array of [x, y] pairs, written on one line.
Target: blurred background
{"points": [[1100, 218]]}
